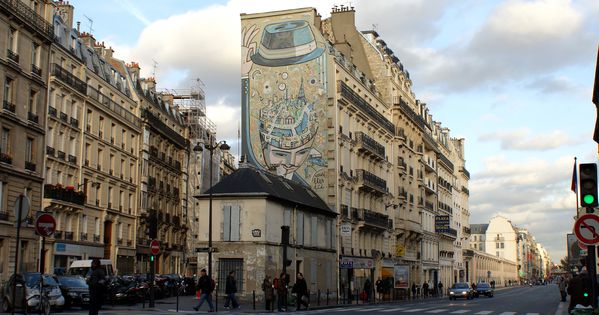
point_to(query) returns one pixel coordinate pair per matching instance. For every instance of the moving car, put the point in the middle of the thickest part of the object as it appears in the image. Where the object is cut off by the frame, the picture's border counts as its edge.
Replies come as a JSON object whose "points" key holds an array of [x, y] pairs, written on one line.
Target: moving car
{"points": [[483, 288], [74, 290], [461, 290], [28, 291]]}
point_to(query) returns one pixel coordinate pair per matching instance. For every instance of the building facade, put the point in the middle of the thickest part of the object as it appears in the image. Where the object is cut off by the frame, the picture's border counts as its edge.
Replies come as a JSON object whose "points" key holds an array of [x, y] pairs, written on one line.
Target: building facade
{"points": [[27, 34], [342, 118]]}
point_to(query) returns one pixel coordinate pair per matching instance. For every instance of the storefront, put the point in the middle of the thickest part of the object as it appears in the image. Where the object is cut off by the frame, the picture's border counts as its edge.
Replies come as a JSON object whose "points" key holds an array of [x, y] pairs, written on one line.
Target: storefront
{"points": [[65, 253], [125, 261], [353, 272]]}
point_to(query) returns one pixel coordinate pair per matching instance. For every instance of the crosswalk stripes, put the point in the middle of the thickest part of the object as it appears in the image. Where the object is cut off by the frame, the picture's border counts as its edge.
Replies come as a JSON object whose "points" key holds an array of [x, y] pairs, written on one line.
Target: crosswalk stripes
{"points": [[532, 313], [483, 313], [393, 309], [508, 313], [370, 309], [437, 311], [414, 310], [460, 312]]}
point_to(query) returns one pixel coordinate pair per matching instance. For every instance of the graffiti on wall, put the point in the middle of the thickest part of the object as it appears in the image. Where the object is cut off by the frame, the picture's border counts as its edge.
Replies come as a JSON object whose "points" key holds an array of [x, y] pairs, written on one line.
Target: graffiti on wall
{"points": [[284, 93]]}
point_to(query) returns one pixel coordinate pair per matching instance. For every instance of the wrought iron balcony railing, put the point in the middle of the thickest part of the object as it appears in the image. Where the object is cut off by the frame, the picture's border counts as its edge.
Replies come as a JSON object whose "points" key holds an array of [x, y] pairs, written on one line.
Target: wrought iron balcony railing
{"points": [[36, 70], [52, 111], [32, 117], [363, 105], [30, 166], [13, 56], [9, 106], [69, 78], [372, 182], [29, 17], [368, 144]]}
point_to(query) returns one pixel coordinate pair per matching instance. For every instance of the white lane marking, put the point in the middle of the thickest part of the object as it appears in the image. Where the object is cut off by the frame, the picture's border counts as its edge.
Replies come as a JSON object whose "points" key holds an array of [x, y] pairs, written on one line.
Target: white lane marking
{"points": [[414, 310], [508, 313], [369, 309], [460, 312], [532, 313], [393, 309], [483, 313], [436, 311]]}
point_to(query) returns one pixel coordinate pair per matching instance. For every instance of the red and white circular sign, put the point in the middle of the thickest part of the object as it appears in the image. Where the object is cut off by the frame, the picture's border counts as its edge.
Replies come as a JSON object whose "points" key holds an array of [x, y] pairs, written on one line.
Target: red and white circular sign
{"points": [[586, 229], [45, 225], [155, 247]]}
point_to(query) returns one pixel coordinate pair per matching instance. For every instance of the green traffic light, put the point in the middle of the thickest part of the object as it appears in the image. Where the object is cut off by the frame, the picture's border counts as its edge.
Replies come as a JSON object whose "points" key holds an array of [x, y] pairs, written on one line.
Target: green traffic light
{"points": [[588, 199], [585, 294], [152, 258]]}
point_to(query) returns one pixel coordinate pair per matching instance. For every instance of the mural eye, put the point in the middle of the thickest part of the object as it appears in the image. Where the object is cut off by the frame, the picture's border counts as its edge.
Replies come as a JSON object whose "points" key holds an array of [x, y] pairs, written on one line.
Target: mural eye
{"points": [[312, 81], [267, 88], [284, 75], [282, 86], [280, 154]]}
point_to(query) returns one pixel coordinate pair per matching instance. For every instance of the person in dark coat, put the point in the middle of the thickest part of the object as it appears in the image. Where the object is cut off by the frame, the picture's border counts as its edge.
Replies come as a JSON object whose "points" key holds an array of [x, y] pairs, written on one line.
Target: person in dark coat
{"points": [[301, 289], [97, 287], [206, 288], [368, 289], [413, 290], [440, 285], [281, 287], [230, 290], [269, 293]]}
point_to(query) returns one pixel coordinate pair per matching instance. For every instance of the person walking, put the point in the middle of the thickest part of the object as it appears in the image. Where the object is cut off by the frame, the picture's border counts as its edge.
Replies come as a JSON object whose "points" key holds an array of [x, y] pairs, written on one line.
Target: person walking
{"points": [[206, 287], [413, 290], [269, 293], [97, 287], [230, 290], [368, 289], [425, 289], [562, 284], [301, 289], [440, 285], [281, 287], [379, 287]]}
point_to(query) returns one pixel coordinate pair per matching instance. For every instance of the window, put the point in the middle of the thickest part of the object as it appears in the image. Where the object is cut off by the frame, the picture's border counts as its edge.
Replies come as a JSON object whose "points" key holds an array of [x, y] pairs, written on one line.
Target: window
{"points": [[101, 127], [314, 231], [120, 230], [12, 39], [121, 199], [109, 197], [35, 54], [8, 89], [96, 226], [231, 223], [33, 101], [29, 150], [5, 141], [3, 208], [496, 245], [84, 224], [299, 234], [99, 159], [502, 245]]}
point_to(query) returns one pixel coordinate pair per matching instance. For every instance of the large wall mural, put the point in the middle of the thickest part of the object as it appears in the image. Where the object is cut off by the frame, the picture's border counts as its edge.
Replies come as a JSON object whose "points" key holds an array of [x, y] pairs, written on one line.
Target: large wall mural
{"points": [[284, 93]]}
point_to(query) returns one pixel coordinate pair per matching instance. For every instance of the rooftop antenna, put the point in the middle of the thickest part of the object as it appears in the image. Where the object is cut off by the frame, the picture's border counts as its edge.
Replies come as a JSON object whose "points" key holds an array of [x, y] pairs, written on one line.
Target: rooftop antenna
{"points": [[154, 66], [375, 27], [91, 24]]}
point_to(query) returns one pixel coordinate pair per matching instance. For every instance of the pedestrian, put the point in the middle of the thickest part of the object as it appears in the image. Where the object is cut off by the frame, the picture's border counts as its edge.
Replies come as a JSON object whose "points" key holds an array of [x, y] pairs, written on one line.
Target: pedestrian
{"points": [[425, 289], [440, 285], [281, 288], [368, 289], [301, 289], [379, 287], [413, 290], [97, 287], [231, 290], [561, 283], [269, 293], [206, 286]]}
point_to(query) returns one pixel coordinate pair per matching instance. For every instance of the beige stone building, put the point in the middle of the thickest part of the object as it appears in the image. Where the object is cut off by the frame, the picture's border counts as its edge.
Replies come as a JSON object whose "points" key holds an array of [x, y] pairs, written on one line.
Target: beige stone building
{"points": [[26, 34], [93, 134]]}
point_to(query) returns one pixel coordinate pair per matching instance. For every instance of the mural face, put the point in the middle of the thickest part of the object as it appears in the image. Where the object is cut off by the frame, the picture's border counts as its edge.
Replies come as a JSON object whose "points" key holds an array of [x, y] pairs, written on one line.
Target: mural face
{"points": [[284, 94]]}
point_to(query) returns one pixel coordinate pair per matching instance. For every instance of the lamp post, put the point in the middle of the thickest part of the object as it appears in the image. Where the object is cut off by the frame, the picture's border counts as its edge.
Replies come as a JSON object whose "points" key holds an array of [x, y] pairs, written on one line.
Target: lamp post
{"points": [[222, 145]]}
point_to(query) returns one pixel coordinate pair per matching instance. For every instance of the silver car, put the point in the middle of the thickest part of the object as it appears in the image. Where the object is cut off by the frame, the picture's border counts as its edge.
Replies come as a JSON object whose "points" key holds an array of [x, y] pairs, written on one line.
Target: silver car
{"points": [[28, 292], [461, 290]]}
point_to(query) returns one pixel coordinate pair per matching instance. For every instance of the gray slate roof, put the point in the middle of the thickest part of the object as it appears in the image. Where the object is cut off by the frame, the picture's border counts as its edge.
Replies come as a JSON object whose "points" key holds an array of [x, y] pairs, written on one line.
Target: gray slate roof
{"points": [[248, 181], [478, 228]]}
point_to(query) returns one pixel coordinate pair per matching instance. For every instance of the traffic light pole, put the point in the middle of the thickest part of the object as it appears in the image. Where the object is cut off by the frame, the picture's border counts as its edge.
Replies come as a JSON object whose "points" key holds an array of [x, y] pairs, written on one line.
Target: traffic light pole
{"points": [[592, 268], [152, 278]]}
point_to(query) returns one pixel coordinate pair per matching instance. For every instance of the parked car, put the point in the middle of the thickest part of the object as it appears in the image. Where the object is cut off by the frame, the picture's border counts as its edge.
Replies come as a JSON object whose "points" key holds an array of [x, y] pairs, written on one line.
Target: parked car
{"points": [[84, 268], [27, 292], [75, 290], [483, 288], [461, 290]]}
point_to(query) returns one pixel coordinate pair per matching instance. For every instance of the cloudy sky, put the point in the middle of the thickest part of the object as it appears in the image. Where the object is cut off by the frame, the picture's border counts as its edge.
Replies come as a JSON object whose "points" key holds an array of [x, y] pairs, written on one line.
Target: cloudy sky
{"points": [[514, 78]]}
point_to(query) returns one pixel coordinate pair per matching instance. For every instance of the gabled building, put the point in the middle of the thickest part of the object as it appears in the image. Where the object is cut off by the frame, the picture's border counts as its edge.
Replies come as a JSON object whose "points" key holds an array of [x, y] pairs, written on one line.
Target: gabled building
{"points": [[249, 207]]}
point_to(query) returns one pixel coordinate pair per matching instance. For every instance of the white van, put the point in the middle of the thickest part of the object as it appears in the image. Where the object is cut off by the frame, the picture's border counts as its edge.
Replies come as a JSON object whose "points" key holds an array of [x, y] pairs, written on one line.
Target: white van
{"points": [[84, 267]]}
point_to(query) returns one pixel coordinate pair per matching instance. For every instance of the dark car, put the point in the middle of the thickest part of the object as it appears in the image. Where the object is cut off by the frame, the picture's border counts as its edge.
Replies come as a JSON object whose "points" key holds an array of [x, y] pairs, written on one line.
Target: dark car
{"points": [[461, 290], [75, 290], [483, 288]]}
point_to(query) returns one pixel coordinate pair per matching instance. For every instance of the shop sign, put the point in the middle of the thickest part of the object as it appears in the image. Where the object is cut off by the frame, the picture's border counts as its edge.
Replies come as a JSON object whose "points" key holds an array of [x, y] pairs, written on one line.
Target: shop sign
{"points": [[345, 230]]}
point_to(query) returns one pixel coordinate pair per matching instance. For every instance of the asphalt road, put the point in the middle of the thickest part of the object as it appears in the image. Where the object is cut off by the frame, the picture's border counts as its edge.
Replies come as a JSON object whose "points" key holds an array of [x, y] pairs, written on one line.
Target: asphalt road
{"points": [[509, 301]]}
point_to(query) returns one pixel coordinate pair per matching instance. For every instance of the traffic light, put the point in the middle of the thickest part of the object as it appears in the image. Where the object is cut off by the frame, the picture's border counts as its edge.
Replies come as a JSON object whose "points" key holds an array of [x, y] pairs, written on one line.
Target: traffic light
{"points": [[285, 235], [588, 185], [152, 226], [152, 258]]}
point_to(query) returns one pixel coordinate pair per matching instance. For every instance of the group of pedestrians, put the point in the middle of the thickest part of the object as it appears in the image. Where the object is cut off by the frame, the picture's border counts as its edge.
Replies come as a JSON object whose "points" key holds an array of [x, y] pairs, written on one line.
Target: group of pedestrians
{"points": [[279, 288], [426, 289], [206, 286]]}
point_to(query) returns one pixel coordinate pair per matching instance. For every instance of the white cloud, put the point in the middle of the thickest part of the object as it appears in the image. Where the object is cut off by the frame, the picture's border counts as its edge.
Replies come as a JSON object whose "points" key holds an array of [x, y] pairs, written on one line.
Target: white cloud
{"points": [[521, 140]]}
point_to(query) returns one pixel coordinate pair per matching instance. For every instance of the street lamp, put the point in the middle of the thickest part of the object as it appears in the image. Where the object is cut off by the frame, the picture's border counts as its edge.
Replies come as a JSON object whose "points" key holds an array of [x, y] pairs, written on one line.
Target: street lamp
{"points": [[222, 145]]}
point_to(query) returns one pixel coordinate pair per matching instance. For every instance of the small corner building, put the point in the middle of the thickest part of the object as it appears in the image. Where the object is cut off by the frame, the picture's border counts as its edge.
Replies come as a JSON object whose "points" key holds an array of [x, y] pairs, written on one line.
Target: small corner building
{"points": [[249, 207]]}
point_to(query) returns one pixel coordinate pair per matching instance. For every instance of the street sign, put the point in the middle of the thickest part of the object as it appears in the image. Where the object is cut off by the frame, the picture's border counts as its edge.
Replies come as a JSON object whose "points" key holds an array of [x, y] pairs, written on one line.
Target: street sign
{"points": [[202, 249], [45, 225], [582, 246], [23, 209], [586, 229], [155, 247]]}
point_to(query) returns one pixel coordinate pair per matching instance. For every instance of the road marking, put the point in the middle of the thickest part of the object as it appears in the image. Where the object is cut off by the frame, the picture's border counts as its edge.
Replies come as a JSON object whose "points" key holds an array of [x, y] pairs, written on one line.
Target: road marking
{"points": [[394, 309], [532, 313], [414, 310], [460, 312], [342, 309], [436, 311], [508, 313], [483, 313], [369, 309]]}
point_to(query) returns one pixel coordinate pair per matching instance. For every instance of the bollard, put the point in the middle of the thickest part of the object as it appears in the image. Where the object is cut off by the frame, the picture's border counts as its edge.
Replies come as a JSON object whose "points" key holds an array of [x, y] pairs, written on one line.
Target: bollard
{"points": [[328, 297], [254, 298], [318, 298], [177, 301], [216, 299]]}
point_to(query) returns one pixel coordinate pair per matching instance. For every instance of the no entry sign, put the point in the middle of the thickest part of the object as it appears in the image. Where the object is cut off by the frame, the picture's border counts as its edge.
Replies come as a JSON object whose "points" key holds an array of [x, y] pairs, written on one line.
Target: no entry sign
{"points": [[586, 229], [45, 225], [155, 247]]}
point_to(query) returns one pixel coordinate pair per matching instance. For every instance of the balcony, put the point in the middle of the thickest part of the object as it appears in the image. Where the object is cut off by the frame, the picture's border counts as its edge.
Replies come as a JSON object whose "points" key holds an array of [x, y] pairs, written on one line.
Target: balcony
{"points": [[368, 145], [403, 166], [465, 190], [4, 215], [68, 78], [362, 104], [86, 163], [32, 117], [58, 234], [119, 241], [67, 194], [36, 70], [74, 123], [28, 17], [72, 159], [375, 219], [451, 233], [96, 238], [6, 105], [445, 161], [61, 155], [68, 236], [30, 166], [466, 230], [370, 182], [50, 151], [64, 117], [83, 236], [5, 158], [429, 164], [129, 242], [110, 205], [52, 111], [12, 56], [468, 253], [113, 106], [429, 206], [465, 172]]}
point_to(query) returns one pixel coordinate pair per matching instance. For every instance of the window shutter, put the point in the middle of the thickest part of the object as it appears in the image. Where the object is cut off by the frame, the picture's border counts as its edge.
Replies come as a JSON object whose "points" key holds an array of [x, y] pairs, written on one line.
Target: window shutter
{"points": [[235, 224], [300, 229], [314, 231], [227, 223]]}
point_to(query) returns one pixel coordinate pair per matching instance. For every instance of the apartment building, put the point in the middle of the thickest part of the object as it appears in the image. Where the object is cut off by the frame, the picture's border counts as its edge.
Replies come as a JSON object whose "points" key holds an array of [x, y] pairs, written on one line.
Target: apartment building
{"points": [[92, 139], [343, 119], [26, 34]]}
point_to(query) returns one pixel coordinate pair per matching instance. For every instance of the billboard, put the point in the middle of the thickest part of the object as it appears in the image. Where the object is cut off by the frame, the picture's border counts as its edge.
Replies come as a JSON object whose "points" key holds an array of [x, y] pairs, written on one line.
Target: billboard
{"points": [[284, 92], [401, 276], [573, 250]]}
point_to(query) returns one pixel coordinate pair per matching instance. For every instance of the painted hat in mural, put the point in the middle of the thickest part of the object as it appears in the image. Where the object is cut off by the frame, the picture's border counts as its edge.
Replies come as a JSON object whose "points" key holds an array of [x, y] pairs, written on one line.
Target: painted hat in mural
{"points": [[286, 43]]}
